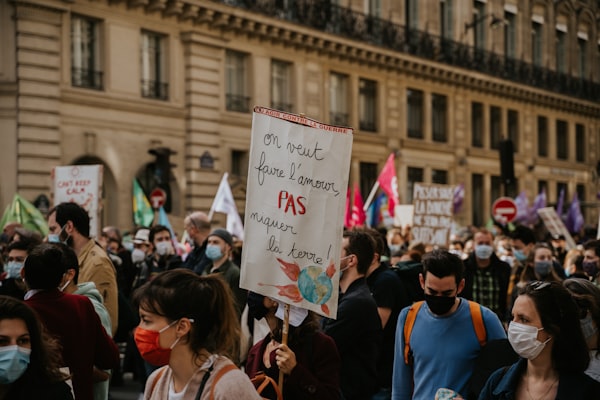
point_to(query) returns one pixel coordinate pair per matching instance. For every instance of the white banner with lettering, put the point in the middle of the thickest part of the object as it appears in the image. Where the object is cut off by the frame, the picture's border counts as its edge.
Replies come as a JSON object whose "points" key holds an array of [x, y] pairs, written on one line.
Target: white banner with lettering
{"points": [[81, 184], [297, 182], [433, 213]]}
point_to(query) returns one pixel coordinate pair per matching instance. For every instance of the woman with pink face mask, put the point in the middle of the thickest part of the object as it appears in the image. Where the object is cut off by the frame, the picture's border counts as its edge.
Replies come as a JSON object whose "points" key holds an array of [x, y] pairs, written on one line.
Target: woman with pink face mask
{"points": [[545, 332], [189, 328]]}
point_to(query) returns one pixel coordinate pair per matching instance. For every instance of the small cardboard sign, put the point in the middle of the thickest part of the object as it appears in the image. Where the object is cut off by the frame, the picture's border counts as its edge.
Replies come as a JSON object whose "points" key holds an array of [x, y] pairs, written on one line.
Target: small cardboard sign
{"points": [[433, 212]]}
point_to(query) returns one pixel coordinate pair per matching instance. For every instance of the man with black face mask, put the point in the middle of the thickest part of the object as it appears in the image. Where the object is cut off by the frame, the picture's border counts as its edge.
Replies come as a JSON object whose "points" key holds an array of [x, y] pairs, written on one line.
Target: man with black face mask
{"points": [[443, 343]]}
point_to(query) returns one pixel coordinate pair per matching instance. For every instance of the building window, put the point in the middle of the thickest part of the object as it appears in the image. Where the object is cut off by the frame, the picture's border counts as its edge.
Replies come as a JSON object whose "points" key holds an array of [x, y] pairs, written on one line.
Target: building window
{"points": [[411, 12], [375, 8], [542, 136], [477, 205], [439, 117], [236, 82], [561, 51], [479, 15], [338, 99], [513, 128], [537, 41], [154, 59], [476, 124], [439, 176], [368, 177], [510, 34], [85, 53], [446, 14], [414, 175], [580, 143], [414, 124], [582, 45], [281, 85], [562, 142], [367, 104], [495, 127], [239, 163]]}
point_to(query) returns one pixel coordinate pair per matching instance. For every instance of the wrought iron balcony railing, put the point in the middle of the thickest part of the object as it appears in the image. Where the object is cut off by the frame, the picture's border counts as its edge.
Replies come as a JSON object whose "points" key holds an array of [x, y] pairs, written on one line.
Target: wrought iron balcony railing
{"points": [[282, 106], [235, 102], [338, 118], [86, 78], [155, 90], [345, 22]]}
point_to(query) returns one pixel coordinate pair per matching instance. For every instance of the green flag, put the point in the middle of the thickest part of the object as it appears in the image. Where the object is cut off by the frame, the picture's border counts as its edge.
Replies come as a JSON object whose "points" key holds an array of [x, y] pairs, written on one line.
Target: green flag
{"points": [[143, 214], [25, 213]]}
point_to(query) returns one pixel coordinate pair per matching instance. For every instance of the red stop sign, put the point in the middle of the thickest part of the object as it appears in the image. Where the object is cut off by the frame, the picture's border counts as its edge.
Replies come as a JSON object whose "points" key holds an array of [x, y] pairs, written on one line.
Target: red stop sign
{"points": [[158, 197], [504, 210]]}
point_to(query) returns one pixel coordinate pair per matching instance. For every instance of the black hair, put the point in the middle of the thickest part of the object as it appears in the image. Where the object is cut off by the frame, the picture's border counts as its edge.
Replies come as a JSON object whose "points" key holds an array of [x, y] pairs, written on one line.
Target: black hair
{"points": [[587, 298], [524, 234], [43, 267], [442, 263], [157, 229], [75, 213], [593, 244], [20, 245], [69, 259], [360, 243]]}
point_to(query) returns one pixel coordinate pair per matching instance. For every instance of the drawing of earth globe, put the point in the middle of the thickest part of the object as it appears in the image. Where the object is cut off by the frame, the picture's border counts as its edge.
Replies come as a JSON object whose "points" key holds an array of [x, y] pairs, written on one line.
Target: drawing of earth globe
{"points": [[314, 285]]}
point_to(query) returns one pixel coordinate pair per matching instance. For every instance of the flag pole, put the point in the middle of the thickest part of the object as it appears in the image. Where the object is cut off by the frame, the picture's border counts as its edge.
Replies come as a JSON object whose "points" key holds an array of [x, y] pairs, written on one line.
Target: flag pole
{"points": [[371, 195]]}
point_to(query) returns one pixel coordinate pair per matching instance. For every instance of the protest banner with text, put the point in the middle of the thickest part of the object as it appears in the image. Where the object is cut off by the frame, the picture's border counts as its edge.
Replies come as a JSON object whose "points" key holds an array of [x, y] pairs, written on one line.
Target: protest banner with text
{"points": [[81, 184], [432, 218], [296, 193]]}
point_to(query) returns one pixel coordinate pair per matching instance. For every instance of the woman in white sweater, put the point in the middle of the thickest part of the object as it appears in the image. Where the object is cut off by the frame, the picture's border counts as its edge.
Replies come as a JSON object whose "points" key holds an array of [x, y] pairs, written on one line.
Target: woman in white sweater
{"points": [[189, 327]]}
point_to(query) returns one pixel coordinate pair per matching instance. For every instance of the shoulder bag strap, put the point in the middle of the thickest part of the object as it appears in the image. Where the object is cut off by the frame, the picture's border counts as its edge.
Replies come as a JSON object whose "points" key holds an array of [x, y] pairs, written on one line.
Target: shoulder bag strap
{"points": [[219, 375], [408, 326]]}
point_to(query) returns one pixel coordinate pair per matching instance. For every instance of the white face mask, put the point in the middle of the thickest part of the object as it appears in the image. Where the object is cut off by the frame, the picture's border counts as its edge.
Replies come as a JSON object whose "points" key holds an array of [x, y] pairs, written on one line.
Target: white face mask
{"points": [[163, 248], [523, 339], [137, 255]]}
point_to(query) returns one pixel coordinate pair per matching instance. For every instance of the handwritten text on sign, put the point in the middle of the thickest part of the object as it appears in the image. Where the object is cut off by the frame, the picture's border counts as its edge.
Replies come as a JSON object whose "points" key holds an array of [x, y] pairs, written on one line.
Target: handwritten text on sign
{"points": [[297, 174], [432, 217]]}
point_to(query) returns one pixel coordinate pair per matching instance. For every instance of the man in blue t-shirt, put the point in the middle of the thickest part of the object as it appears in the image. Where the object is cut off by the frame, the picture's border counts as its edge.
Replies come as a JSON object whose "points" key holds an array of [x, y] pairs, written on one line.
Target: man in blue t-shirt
{"points": [[443, 341]]}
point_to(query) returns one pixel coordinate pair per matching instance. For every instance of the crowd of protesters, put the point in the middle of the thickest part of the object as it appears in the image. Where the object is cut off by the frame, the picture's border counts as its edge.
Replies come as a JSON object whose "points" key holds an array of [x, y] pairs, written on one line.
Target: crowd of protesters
{"points": [[497, 314]]}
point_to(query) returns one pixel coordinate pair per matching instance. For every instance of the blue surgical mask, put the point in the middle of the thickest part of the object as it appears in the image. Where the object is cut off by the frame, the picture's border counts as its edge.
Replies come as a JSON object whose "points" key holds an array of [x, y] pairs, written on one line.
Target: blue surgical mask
{"points": [[542, 268], [14, 361], [53, 238], [483, 251], [519, 255], [213, 252], [13, 269]]}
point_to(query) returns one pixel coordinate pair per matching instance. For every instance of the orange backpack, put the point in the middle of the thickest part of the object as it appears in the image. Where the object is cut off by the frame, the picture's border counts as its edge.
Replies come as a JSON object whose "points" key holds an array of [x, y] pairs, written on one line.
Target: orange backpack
{"points": [[476, 317]]}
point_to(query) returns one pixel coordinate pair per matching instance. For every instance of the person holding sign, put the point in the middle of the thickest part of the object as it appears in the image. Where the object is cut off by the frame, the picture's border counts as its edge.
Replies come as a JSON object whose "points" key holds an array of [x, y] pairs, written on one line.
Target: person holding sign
{"points": [[189, 327], [357, 330], [310, 360]]}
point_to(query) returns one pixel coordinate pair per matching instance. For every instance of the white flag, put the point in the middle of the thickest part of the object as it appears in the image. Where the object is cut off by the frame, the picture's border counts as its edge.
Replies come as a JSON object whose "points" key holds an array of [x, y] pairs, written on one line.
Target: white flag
{"points": [[225, 203]]}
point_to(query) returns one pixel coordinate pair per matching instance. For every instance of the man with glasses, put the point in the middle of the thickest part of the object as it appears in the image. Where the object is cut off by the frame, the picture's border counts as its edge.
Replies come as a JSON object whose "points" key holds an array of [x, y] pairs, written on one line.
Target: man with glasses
{"points": [[443, 343]]}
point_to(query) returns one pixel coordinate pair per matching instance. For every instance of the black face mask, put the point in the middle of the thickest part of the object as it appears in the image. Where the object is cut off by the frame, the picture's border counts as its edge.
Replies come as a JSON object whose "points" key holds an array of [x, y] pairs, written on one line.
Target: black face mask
{"points": [[439, 305]]}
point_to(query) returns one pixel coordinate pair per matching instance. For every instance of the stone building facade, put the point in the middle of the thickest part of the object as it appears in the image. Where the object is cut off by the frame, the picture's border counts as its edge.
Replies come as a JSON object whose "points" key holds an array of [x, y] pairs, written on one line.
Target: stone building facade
{"points": [[440, 82]]}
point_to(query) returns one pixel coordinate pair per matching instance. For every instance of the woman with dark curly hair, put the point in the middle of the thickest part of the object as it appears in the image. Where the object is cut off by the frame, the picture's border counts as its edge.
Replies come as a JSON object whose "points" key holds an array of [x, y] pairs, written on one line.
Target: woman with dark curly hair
{"points": [[30, 359], [546, 334], [189, 327], [310, 361]]}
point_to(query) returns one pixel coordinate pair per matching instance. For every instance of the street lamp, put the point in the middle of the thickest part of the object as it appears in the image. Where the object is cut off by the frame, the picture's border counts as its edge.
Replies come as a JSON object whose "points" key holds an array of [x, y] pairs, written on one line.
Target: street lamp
{"points": [[494, 23]]}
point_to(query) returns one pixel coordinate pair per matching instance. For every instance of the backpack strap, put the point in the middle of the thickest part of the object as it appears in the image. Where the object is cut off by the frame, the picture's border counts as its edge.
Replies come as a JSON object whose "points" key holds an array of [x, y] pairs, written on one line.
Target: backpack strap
{"points": [[408, 326], [478, 324], [156, 378], [219, 375]]}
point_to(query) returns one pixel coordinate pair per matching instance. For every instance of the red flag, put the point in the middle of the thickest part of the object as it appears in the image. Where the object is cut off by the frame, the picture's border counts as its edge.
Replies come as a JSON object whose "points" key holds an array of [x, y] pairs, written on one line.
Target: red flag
{"points": [[389, 183], [348, 213], [359, 217]]}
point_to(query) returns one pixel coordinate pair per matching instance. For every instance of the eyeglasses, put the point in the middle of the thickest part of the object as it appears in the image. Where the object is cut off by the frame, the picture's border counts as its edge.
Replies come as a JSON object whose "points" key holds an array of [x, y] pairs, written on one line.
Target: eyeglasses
{"points": [[538, 285]]}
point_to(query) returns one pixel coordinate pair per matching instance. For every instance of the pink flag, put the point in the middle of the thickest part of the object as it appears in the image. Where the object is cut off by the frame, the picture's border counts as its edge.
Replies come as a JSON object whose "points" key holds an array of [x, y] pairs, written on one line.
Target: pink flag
{"points": [[389, 183], [522, 208], [347, 212], [359, 217]]}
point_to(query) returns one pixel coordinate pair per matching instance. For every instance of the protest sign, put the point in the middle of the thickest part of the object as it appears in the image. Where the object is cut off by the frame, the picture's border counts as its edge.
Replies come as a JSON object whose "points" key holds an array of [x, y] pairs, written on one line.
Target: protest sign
{"points": [[81, 184], [403, 215], [555, 225], [432, 218], [296, 193]]}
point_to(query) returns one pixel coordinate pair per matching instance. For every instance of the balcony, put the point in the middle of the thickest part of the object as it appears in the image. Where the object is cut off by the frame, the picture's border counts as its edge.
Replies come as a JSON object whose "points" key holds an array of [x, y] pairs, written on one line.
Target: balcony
{"points": [[342, 21], [288, 107], [155, 90], [236, 102], [86, 78]]}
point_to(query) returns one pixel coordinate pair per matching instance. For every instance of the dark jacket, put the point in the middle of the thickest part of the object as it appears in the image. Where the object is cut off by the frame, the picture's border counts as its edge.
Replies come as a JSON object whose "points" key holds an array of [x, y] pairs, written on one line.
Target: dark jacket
{"points": [[197, 260], [501, 273], [503, 383], [316, 375]]}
